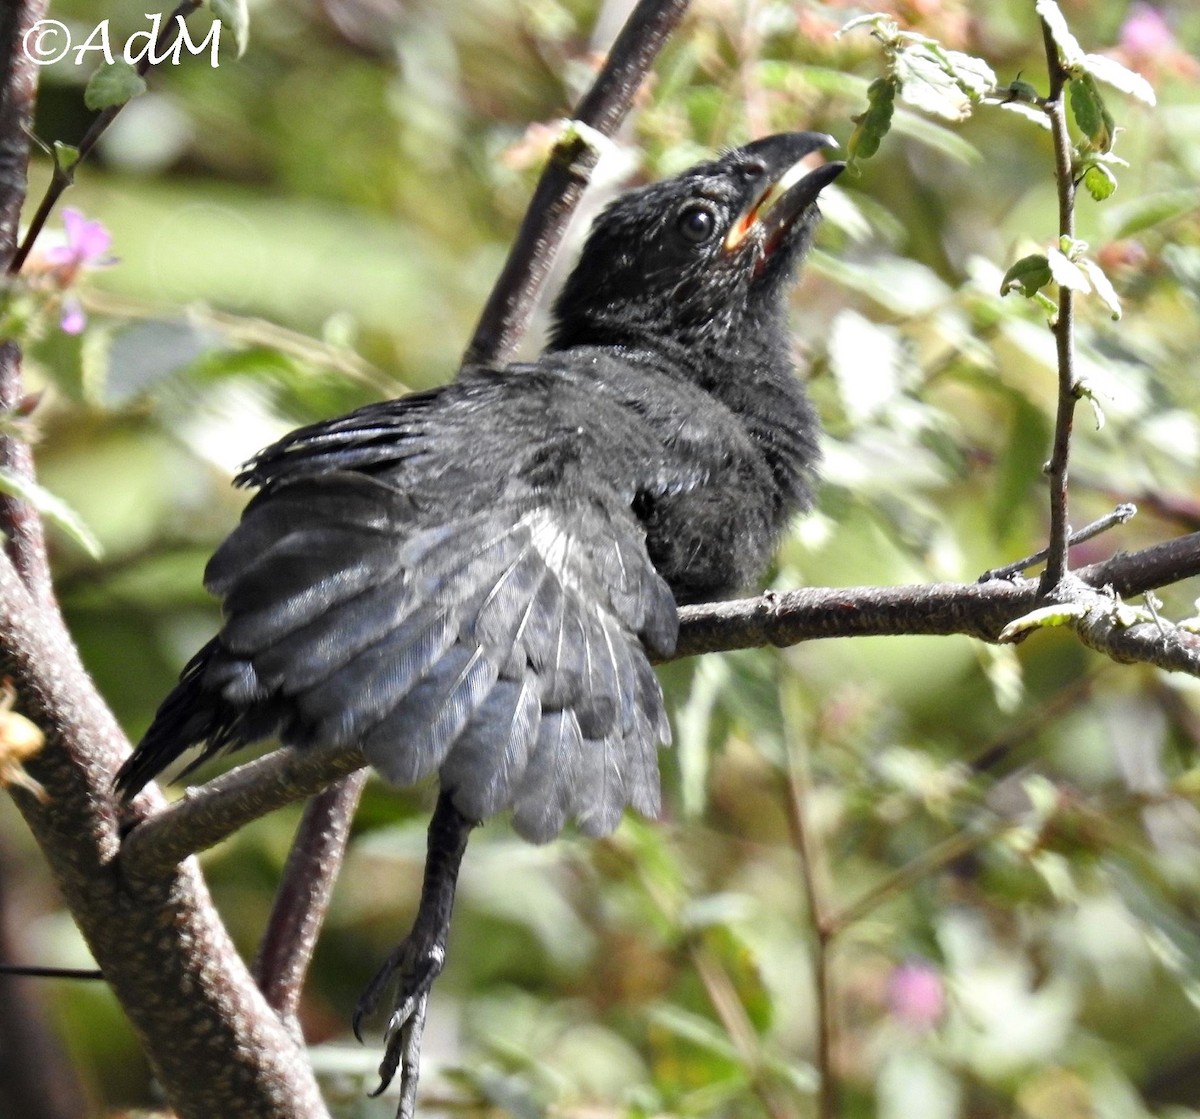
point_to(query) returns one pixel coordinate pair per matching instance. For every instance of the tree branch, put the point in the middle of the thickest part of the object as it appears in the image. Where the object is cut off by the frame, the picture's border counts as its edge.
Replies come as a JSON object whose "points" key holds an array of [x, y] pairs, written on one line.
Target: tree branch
{"points": [[20, 523], [207, 814], [507, 311], [216, 1046], [305, 889], [1064, 324]]}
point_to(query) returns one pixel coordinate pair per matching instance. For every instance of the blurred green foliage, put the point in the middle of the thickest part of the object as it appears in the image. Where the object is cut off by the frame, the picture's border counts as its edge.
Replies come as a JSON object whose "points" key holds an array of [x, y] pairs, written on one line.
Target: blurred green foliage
{"points": [[317, 224]]}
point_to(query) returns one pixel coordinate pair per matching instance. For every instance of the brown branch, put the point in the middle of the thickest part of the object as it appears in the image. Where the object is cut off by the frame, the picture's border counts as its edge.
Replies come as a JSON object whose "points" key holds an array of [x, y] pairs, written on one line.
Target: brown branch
{"points": [[20, 523], [305, 889], [1064, 323], [507, 311], [209, 813], [215, 1045]]}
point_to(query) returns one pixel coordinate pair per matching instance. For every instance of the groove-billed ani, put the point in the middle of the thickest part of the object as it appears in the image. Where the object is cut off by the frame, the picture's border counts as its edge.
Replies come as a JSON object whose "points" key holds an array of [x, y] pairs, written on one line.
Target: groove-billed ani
{"points": [[469, 580]]}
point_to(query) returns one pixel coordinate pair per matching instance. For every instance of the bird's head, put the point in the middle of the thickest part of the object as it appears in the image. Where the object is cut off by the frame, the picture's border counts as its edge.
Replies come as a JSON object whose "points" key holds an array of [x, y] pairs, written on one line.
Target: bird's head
{"points": [[698, 257]]}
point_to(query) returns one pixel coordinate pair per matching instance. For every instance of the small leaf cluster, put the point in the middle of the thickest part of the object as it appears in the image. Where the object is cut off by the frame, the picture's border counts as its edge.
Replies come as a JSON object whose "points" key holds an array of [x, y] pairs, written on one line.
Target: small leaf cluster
{"points": [[930, 77], [1093, 158]]}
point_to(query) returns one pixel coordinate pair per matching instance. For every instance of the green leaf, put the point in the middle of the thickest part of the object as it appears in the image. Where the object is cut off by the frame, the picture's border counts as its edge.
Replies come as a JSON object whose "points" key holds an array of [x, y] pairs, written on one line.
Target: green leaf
{"points": [[1099, 181], [113, 84], [234, 14], [54, 509], [1029, 275], [695, 1029], [1102, 286], [1069, 51], [1091, 114], [871, 126], [1111, 72]]}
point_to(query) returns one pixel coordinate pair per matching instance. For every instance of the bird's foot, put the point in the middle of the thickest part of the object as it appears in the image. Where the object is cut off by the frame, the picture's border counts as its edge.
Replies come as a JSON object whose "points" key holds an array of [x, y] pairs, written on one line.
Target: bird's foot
{"points": [[411, 968]]}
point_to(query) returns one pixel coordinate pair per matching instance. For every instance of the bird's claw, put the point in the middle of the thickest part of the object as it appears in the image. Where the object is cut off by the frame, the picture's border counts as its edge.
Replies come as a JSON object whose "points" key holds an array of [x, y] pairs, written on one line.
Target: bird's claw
{"points": [[413, 967]]}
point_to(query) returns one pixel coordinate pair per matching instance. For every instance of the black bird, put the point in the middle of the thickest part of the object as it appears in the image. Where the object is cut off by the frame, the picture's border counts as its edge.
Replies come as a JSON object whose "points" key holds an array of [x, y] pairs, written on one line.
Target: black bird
{"points": [[469, 581]]}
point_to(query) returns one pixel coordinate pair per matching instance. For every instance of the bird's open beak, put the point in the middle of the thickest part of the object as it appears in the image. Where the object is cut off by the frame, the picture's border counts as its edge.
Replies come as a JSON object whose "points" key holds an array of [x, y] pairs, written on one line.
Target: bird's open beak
{"points": [[794, 186]]}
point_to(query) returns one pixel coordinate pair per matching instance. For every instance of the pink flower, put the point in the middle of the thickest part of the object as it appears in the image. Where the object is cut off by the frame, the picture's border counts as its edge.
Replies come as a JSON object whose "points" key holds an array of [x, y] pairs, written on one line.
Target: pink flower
{"points": [[916, 994], [82, 244], [86, 246], [1145, 33]]}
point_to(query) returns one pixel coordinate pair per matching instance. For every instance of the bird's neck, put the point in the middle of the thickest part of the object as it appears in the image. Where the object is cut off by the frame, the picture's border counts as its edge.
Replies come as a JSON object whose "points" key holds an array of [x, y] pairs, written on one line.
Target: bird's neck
{"points": [[753, 378]]}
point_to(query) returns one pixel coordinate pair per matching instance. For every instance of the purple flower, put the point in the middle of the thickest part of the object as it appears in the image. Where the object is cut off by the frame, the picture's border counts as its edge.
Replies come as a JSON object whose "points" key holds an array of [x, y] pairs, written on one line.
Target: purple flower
{"points": [[86, 246], [916, 994], [83, 244]]}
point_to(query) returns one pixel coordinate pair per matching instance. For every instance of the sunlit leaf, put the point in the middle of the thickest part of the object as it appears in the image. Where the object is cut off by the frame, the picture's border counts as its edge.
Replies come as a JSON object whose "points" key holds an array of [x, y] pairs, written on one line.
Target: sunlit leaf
{"points": [[1044, 617], [1111, 72], [234, 14], [1066, 272], [1102, 286], [878, 21], [1084, 391], [1069, 50], [1030, 112], [925, 84]]}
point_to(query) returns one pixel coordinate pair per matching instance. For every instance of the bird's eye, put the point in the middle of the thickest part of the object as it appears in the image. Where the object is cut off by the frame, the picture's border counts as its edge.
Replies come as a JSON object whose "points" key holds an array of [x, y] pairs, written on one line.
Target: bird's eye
{"points": [[696, 224]]}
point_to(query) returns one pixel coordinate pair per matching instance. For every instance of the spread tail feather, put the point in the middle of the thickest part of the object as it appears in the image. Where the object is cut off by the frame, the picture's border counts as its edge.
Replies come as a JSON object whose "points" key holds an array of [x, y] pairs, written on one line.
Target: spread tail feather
{"points": [[189, 716]]}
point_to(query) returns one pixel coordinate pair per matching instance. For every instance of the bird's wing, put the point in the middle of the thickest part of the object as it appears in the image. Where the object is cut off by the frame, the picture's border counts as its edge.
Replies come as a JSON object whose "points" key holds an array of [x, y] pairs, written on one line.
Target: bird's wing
{"points": [[481, 619]]}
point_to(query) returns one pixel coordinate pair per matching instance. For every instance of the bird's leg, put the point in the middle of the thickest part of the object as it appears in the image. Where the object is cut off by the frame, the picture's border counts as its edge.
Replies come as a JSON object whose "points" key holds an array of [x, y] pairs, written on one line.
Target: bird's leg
{"points": [[418, 959]]}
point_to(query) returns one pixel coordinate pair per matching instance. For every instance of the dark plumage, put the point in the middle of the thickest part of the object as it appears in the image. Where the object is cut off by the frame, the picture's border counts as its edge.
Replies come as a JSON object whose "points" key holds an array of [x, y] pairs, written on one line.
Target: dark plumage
{"points": [[468, 580]]}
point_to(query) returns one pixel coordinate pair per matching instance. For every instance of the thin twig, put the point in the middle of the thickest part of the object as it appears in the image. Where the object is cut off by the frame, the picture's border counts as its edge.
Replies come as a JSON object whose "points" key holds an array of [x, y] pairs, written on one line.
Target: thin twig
{"points": [[937, 857], [727, 1004], [798, 802], [1064, 324], [602, 109], [61, 179], [304, 892], [42, 971], [1122, 513]]}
